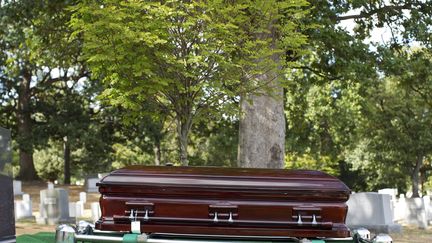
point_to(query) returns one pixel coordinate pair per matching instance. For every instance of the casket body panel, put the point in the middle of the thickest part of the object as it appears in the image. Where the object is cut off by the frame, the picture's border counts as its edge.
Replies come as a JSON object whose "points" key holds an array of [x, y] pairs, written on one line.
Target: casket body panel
{"points": [[224, 201]]}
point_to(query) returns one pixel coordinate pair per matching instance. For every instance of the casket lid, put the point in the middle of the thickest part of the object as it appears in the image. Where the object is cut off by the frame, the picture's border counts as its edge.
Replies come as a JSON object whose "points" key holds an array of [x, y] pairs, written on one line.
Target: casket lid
{"points": [[226, 178]]}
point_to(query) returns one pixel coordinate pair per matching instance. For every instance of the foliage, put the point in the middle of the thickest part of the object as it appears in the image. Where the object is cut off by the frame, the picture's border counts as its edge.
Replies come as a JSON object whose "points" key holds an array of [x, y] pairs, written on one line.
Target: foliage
{"points": [[323, 163], [332, 96], [35, 54], [192, 58], [49, 162], [398, 117], [215, 144], [356, 107], [129, 154]]}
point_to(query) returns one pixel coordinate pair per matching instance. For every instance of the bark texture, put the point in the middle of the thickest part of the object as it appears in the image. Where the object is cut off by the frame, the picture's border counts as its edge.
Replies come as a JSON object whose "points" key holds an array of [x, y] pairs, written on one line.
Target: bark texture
{"points": [[262, 120], [24, 122], [415, 177], [157, 153], [262, 130], [183, 127], [67, 161]]}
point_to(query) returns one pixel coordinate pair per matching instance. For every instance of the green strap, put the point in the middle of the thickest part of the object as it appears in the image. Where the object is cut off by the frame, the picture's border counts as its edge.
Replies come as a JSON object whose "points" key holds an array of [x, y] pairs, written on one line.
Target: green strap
{"points": [[130, 238], [318, 241]]}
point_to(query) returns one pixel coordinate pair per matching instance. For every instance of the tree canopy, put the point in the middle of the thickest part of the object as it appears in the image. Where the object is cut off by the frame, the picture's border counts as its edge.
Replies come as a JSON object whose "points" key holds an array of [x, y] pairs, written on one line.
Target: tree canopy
{"points": [[192, 58], [90, 86]]}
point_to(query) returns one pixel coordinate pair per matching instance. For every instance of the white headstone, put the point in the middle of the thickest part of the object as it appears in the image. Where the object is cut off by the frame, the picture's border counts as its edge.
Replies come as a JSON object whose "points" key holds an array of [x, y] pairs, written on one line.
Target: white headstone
{"points": [[79, 207], [427, 205], [72, 209], [23, 208], [412, 211], [54, 207], [17, 187], [26, 198], [50, 185], [95, 211], [372, 211], [389, 191], [90, 184], [83, 197], [400, 209]]}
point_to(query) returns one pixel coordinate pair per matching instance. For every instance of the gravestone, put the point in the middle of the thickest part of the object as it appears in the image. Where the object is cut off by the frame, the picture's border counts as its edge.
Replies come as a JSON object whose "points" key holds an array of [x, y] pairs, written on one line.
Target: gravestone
{"points": [[413, 211], [372, 211], [390, 191], [393, 193], [72, 209], [54, 206], [7, 220], [17, 185], [83, 197], [400, 209], [79, 209], [23, 208], [95, 211], [428, 207], [90, 184], [76, 209]]}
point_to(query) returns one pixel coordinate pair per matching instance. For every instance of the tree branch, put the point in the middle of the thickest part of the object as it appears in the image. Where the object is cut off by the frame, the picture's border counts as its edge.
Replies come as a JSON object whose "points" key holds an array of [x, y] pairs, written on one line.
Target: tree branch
{"points": [[386, 8], [317, 72]]}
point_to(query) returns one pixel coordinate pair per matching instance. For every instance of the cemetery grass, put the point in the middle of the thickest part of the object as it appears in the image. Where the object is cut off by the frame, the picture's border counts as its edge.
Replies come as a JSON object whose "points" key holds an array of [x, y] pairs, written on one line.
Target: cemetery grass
{"points": [[412, 234], [33, 188], [409, 235]]}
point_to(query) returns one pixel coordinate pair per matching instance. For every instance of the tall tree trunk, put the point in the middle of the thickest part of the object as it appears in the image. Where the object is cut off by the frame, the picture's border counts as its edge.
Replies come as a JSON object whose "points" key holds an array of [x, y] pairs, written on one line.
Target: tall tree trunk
{"points": [[24, 124], [262, 132], [262, 120], [157, 152], [183, 126], [415, 177], [67, 161]]}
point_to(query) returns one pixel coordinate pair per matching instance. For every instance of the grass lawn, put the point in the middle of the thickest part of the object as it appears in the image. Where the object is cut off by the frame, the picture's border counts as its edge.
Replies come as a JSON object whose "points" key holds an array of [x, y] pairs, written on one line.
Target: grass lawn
{"points": [[413, 235]]}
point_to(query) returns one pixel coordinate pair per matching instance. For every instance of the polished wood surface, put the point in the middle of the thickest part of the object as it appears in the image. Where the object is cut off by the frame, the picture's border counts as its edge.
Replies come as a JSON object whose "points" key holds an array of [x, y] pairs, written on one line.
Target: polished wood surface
{"points": [[205, 200]]}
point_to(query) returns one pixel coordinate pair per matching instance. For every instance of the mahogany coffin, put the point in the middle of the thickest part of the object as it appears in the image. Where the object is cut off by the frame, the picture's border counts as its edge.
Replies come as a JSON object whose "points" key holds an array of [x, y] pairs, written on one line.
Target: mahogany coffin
{"points": [[224, 201]]}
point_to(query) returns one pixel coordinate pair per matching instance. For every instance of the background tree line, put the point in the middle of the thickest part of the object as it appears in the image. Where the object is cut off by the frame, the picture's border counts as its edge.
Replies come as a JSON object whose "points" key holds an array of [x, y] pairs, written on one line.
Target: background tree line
{"points": [[90, 86]]}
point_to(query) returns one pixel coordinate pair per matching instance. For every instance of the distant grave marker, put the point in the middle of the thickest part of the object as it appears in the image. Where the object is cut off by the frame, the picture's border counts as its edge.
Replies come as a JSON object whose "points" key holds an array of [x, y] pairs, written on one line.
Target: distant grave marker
{"points": [[83, 197], [95, 211], [90, 184], [23, 208], [17, 187], [389, 191], [372, 211], [79, 206], [413, 211], [54, 206]]}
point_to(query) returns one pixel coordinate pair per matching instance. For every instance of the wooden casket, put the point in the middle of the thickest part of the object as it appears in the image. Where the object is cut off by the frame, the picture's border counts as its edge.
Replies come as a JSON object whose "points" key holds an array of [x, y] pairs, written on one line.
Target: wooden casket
{"points": [[223, 201]]}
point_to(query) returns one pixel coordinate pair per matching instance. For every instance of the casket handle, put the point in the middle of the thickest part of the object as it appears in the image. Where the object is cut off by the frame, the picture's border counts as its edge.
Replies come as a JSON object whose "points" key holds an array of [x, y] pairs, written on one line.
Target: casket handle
{"points": [[307, 214], [139, 208], [219, 212], [262, 223]]}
